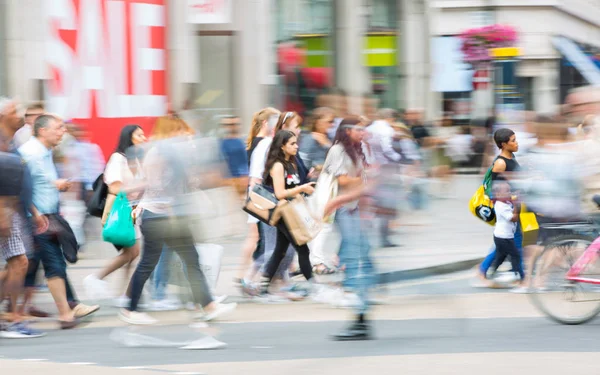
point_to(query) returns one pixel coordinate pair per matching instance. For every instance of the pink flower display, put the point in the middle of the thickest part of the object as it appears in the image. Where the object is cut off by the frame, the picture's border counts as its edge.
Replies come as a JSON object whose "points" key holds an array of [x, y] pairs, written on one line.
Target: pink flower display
{"points": [[477, 42]]}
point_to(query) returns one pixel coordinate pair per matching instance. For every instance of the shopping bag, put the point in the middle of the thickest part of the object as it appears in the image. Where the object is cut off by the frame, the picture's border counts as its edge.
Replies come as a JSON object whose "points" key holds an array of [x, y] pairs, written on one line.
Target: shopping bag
{"points": [[481, 204], [210, 261], [325, 190], [302, 224], [529, 226], [119, 229]]}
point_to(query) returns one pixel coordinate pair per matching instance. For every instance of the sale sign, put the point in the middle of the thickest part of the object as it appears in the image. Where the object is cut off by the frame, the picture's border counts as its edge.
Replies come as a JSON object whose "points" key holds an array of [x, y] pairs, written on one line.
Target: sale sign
{"points": [[107, 62]]}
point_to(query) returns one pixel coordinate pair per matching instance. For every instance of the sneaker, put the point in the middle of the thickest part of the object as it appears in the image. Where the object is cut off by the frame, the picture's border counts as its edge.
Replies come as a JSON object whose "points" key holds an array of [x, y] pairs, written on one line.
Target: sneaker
{"points": [[136, 318], [220, 310], [95, 288], [20, 331]]}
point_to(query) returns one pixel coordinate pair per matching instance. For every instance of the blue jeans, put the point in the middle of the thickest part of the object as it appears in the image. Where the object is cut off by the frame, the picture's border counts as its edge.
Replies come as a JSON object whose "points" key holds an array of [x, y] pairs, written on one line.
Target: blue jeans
{"points": [[487, 262], [355, 254], [160, 277]]}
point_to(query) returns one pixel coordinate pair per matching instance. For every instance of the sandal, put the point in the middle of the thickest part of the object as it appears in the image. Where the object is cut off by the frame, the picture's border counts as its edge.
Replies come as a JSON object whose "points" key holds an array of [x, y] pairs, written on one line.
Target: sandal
{"points": [[322, 269]]}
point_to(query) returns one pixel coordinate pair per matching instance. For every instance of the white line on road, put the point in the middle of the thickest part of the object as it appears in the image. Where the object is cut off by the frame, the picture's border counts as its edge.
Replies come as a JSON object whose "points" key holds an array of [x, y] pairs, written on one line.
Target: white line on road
{"points": [[82, 363], [132, 368], [34, 359], [261, 347]]}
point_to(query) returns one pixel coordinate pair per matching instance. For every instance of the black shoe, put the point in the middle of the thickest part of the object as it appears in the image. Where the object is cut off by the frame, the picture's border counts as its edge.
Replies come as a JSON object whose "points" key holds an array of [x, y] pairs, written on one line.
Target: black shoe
{"points": [[357, 331]]}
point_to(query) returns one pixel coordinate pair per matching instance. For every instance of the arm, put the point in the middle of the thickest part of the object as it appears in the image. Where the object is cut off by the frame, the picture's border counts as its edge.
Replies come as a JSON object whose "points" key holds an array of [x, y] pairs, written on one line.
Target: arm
{"points": [[515, 216]]}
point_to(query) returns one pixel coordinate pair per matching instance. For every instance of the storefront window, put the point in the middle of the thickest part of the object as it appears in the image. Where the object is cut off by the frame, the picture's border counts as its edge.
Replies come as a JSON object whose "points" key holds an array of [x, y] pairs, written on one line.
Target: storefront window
{"points": [[304, 46], [380, 51]]}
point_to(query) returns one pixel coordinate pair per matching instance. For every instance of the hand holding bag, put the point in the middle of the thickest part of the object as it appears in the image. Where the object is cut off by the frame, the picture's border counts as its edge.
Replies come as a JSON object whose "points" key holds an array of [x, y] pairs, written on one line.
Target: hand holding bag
{"points": [[119, 229], [263, 205], [300, 221]]}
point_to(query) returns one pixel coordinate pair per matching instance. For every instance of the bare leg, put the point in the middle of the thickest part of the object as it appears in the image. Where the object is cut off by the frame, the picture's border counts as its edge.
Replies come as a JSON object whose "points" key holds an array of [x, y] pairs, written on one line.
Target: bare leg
{"points": [[59, 294], [15, 278], [128, 255]]}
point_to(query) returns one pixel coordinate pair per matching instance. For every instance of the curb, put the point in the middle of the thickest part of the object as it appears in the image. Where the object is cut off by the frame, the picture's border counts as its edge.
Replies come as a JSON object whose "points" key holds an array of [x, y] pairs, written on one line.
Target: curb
{"points": [[419, 273]]}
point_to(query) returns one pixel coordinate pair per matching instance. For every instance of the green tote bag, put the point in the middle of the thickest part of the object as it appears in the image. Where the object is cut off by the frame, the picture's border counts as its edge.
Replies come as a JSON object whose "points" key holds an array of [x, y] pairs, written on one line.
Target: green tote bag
{"points": [[119, 229]]}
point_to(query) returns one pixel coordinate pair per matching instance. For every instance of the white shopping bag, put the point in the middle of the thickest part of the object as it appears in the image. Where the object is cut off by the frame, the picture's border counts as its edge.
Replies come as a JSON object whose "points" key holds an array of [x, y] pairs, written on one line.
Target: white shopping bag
{"points": [[210, 262]]}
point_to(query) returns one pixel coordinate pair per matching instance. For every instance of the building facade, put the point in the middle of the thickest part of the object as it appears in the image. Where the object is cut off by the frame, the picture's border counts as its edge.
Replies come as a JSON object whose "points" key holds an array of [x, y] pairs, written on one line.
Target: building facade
{"points": [[110, 62], [550, 31]]}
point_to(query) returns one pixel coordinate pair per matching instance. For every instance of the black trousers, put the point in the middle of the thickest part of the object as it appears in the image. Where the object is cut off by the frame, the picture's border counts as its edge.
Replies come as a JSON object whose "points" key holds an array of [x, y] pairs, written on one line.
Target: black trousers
{"points": [[507, 247], [284, 239]]}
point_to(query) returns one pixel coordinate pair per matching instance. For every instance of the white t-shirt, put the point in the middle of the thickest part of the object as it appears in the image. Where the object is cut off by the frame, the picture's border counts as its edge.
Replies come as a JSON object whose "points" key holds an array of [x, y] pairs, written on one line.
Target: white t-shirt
{"points": [[259, 158], [505, 227], [117, 170]]}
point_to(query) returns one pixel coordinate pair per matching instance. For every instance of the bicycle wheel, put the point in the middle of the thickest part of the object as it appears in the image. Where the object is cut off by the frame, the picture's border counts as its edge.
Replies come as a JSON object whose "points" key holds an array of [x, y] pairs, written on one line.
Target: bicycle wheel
{"points": [[564, 301]]}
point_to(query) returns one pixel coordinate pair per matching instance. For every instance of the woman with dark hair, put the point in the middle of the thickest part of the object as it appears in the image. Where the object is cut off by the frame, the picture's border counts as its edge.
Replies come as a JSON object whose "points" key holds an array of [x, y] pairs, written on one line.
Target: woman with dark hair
{"points": [[120, 174], [347, 162], [282, 175]]}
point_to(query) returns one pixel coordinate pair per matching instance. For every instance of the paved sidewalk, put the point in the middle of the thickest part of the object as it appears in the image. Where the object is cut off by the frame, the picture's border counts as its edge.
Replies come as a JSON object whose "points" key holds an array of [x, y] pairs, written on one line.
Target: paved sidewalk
{"points": [[443, 238]]}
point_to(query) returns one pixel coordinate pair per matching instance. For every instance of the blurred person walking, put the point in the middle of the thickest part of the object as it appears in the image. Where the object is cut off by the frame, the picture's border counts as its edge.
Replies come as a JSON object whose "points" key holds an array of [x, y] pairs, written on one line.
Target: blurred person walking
{"points": [[122, 174], [263, 124], [234, 152], [290, 121], [282, 175], [37, 152], [16, 235], [83, 163], [504, 167], [313, 152], [381, 137], [165, 222], [347, 162]]}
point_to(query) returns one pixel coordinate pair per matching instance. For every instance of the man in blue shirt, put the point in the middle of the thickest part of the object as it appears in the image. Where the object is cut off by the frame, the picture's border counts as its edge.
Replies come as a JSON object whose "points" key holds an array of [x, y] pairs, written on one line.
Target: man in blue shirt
{"points": [[48, 131]]}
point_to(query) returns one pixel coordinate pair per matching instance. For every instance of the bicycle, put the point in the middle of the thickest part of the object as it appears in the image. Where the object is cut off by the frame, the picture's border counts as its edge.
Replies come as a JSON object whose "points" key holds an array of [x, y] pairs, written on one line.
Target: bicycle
{"points": [[564, 271]]}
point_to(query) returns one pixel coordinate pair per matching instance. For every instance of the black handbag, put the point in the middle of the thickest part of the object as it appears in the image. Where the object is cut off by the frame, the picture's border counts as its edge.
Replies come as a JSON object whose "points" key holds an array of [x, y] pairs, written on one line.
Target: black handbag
{"points": [[12, 169], [97, 202]]}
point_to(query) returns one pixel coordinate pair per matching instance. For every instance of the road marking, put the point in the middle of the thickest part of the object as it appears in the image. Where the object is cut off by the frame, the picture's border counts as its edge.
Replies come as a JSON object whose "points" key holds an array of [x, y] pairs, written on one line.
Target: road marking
{"points": [[187, 373], [82, 363], [132, 368], [34, 359], [261, 347]]}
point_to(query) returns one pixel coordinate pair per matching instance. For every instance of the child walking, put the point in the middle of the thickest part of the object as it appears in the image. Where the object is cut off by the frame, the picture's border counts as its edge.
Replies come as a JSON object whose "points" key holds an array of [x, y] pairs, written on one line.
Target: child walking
{"points": [[507, 216]]}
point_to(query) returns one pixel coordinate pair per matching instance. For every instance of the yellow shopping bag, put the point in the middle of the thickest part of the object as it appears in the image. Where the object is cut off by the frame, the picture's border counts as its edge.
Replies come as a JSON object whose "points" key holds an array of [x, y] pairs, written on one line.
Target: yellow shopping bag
{"points": [[529, 226], [482, 206]]}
